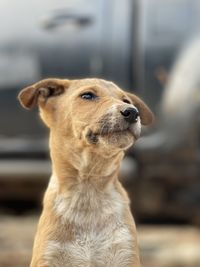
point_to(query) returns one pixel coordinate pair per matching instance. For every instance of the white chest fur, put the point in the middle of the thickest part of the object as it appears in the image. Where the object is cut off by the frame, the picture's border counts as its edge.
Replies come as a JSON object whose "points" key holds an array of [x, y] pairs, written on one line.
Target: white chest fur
{"points": [[100, 236]]}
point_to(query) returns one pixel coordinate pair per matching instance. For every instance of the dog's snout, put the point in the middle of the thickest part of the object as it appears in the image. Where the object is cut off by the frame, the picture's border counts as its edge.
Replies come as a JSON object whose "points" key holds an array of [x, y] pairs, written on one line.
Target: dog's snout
{"points": [[130, 114]]}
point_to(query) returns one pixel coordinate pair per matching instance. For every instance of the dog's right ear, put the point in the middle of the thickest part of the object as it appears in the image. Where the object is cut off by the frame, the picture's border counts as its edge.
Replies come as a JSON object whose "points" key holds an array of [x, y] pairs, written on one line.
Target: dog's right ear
{"points": [[40, 92]]}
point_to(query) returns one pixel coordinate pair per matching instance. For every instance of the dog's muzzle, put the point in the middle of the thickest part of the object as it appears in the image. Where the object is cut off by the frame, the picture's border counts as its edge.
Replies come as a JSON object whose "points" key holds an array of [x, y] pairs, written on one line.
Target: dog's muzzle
{"points": [[124, 121]]}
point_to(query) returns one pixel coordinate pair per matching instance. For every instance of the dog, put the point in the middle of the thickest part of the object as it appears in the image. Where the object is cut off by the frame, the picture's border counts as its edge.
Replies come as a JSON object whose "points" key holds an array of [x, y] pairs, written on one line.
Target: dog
{"points": [[86, 219]]}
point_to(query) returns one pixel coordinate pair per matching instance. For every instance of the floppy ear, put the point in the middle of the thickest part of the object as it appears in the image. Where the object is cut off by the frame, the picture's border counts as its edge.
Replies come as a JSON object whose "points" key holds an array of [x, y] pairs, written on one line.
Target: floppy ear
{"points": [[39, 92], [146, 114]]}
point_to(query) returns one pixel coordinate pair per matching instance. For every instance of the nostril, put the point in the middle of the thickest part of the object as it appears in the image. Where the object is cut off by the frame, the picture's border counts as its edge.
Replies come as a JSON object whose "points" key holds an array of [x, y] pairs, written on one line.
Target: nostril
{"points": [[125, 113], [130, 114]]}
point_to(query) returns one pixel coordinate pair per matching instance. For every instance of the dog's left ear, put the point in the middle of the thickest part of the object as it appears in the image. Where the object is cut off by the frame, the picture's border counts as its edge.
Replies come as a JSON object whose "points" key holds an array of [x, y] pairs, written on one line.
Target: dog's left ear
{"points": [[146, 115], [41, 91]]}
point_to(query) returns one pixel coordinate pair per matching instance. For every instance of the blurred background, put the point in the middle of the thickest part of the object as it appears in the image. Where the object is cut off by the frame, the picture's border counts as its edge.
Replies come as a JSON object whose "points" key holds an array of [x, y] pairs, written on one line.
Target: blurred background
{"points": [[149, 47]]}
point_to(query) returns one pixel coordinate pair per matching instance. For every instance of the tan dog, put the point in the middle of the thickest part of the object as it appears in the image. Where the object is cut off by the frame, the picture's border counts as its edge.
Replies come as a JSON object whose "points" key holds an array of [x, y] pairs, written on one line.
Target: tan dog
{"points": [[86, 220]]}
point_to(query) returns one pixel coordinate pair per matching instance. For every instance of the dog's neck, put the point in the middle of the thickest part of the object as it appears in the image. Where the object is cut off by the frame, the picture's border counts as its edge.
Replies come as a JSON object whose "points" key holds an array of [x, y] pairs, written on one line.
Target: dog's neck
{"points": [[73, 164]]}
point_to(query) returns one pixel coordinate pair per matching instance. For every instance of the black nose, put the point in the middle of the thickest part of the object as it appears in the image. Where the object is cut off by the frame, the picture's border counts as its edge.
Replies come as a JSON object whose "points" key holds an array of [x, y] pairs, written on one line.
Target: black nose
{"points": [[130, 114]]}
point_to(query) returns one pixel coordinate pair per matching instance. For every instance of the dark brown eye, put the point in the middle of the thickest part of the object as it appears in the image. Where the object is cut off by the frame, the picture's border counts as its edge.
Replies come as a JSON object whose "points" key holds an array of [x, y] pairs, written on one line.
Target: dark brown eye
{"points": [[88, 96], [126, 101]]}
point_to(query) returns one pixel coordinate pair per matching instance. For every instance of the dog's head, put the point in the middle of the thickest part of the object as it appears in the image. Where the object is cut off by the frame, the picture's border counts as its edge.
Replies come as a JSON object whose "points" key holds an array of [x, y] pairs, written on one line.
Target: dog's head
{"points": [[91, 112]]}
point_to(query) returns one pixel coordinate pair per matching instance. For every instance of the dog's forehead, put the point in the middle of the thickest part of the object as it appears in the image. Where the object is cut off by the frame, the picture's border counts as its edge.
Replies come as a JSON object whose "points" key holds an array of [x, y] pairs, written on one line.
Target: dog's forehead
{"points": [[105, 86]]}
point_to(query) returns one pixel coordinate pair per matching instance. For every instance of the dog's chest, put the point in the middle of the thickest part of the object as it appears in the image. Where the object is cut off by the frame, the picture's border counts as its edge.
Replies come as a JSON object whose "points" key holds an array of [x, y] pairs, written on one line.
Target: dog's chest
{"points": [[100, 236], [92, 250]]}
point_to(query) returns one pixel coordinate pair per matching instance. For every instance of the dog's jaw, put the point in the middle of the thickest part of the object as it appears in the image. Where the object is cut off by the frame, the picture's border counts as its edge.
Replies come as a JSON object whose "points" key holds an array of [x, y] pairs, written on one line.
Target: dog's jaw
{"points": [[118, 136]]}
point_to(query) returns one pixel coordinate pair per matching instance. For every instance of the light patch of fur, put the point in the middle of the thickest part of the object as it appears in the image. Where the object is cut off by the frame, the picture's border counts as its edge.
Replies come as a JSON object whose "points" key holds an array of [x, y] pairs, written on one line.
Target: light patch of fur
{"points": [[53, 183], [110, 247], [113, 109], [93, 249], [94, 244], [86, 199], [136, 128]]}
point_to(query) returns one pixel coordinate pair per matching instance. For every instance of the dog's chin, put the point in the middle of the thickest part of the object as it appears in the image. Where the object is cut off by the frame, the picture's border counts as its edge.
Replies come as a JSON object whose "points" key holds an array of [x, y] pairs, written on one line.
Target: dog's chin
{"points": [[114, 139], [119, 140]]}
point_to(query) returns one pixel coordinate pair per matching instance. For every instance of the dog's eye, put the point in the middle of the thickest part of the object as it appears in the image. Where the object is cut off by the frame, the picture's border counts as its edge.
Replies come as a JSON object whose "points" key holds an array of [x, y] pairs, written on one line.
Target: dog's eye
{"points": [[126, 101], [88, 96]]}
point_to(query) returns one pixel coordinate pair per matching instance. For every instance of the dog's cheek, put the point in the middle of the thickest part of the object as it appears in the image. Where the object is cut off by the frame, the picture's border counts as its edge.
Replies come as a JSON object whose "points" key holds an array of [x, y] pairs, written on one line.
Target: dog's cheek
{"points": [[78, 132], [113, 143]]}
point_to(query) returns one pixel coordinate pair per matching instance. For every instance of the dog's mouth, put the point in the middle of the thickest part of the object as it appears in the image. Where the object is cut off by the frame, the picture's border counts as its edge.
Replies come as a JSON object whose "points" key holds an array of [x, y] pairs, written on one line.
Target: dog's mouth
{"points": [[117, 131]]}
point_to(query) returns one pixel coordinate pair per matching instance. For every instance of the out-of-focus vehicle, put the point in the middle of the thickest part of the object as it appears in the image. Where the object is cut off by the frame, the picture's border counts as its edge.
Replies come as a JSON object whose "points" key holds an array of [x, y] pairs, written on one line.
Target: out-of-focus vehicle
{"points": [[133, 43], [169, 158]]}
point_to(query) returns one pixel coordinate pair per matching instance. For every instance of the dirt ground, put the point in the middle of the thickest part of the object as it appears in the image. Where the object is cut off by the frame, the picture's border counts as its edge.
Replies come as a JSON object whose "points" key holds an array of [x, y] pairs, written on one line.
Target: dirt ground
{"points": [[161, 246]]}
